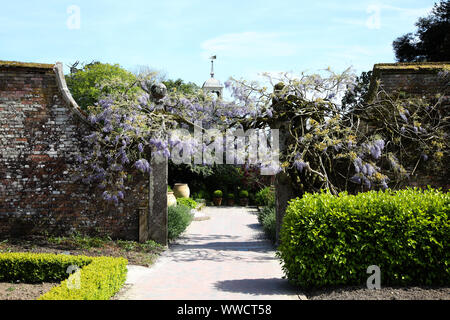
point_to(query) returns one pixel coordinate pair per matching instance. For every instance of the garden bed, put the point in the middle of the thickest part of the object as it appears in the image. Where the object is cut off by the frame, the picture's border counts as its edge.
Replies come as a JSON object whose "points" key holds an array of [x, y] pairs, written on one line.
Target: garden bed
{"points": [[385, 293], [143, 254], [24, 291]]}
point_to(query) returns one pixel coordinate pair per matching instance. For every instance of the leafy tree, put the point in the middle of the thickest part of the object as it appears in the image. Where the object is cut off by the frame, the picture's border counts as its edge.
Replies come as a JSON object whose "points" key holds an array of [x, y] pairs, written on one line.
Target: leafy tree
{"points": [[356, 92], [180, 86], [431, 41], [98, 80]]}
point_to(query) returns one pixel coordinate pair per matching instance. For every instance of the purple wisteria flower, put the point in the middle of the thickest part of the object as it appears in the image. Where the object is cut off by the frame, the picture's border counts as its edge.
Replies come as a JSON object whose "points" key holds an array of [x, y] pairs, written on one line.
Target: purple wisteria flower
{"points": [[358, 165], [356, 179], [300, 165], [404, 118], [142, 165]]}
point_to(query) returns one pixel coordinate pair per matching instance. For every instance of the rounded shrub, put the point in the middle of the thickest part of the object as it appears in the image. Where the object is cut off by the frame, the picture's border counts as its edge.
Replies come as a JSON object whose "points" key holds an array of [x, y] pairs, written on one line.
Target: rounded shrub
{"points": [[218, 194], [179, 218], [243, 194], [332, 240]]}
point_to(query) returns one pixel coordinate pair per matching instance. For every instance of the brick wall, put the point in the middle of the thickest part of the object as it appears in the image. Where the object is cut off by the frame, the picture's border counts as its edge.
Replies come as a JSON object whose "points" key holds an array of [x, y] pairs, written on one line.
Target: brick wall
{"points": [[410, 77], [41, 130], [417, 79]]}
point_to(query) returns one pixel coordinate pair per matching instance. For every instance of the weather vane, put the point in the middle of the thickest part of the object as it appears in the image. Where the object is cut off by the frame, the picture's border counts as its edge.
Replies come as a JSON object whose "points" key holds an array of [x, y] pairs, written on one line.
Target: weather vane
{"points": [[212, 65]]}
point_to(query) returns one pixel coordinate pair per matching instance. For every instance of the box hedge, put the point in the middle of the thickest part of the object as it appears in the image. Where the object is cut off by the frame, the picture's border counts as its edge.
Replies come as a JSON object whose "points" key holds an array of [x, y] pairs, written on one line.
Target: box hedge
{"points": [[99, 277], [332, 240]]}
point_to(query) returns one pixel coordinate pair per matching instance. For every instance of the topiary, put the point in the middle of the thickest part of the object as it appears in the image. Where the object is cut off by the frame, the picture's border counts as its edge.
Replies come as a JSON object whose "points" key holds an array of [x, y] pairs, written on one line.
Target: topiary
{"points": [[243, 194]]}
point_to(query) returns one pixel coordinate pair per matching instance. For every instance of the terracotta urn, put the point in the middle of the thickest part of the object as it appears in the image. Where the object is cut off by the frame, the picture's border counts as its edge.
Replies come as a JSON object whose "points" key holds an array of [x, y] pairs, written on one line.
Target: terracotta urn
{"points": [[243, 202], [171, 199], [181, 190], [217, 201]]}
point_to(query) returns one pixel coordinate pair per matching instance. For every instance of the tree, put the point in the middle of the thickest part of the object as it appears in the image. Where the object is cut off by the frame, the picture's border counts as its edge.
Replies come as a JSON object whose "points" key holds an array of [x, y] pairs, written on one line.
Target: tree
{"points": [[327, 147], [180, 86], [98, 80], [357, 92], [431, 41]]}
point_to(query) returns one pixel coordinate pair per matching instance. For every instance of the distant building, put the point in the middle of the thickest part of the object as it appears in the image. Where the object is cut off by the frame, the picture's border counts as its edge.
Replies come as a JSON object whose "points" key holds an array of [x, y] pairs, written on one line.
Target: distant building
{"points": [[213, 85]]}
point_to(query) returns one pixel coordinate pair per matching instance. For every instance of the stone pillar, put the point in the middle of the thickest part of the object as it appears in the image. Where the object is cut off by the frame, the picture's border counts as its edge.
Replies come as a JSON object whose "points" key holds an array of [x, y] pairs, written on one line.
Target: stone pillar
{"points": [[283, 184], [156, 220], [283, 193], [283, 188], [157, 213]]}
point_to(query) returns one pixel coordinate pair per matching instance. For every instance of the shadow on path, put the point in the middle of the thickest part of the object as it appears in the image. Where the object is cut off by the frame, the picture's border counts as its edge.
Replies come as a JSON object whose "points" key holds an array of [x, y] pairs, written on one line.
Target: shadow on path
{"points": [[270, 286]]}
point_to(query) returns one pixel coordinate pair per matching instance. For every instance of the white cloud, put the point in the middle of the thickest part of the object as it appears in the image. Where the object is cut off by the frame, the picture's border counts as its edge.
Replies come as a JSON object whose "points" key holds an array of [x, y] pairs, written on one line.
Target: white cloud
{"points": [[249, 44], [375, 14]]}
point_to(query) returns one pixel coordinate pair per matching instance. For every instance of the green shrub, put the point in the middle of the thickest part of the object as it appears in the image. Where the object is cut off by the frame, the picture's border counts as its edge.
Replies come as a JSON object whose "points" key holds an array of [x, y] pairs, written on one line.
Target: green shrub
{"points": [[230, 196], [243, 194], [188, 202], [331, 240], [202, 194], [269, 224], [263, 212], [218, 194], [179, 218], [100, 277], [169, 189], [265, 197]]}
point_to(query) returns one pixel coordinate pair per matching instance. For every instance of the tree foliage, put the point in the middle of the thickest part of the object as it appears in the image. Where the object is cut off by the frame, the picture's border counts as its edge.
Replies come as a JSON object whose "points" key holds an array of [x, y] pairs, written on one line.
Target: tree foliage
{"points": [[180, 86], [98, 80], [431, 41]]}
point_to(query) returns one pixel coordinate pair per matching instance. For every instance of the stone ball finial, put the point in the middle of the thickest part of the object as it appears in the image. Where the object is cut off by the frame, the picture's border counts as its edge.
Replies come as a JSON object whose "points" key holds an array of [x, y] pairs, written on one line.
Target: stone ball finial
{"points": [[158, 91]]}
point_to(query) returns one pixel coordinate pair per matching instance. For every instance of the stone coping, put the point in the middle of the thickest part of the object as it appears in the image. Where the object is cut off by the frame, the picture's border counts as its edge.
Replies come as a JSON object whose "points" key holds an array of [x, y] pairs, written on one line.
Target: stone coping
{"points": [[58, 69], [18, 64]]}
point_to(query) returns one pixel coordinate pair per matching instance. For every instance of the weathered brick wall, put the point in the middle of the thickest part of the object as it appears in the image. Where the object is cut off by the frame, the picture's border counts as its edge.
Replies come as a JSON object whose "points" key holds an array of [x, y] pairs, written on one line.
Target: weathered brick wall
{"points": [[417, 79], [40, 134], [410, 77]]}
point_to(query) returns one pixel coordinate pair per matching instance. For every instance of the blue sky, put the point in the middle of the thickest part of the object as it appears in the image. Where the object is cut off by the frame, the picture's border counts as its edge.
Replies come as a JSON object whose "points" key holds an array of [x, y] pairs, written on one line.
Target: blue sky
{"points": [[177, 37]]}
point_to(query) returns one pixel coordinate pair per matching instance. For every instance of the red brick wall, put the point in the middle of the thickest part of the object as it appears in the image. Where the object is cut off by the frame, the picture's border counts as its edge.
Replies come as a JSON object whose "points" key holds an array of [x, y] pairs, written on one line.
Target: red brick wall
{"points": [[40, 136], [417, 79]]}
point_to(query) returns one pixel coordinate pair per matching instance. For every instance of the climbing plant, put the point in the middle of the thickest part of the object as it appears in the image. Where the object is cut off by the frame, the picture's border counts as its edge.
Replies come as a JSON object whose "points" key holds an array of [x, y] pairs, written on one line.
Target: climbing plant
{"points": [[327, 146]]}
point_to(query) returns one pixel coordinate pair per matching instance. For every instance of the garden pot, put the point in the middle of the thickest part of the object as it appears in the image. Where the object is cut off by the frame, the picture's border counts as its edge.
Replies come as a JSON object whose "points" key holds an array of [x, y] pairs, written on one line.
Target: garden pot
{"points": [[243, 202], [181, 190], [230, 202], [171, 199], [217, 201]]}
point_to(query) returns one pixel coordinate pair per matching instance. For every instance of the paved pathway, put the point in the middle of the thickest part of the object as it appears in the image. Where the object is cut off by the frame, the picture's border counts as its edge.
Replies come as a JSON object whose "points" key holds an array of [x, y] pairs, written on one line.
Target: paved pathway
{"points": [[223, 258]]}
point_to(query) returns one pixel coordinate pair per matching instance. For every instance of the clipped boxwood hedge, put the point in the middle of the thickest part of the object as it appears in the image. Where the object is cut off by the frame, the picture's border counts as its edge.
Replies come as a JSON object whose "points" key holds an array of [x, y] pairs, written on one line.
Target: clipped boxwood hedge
{"points": [[100, 277], [332, 240]]}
